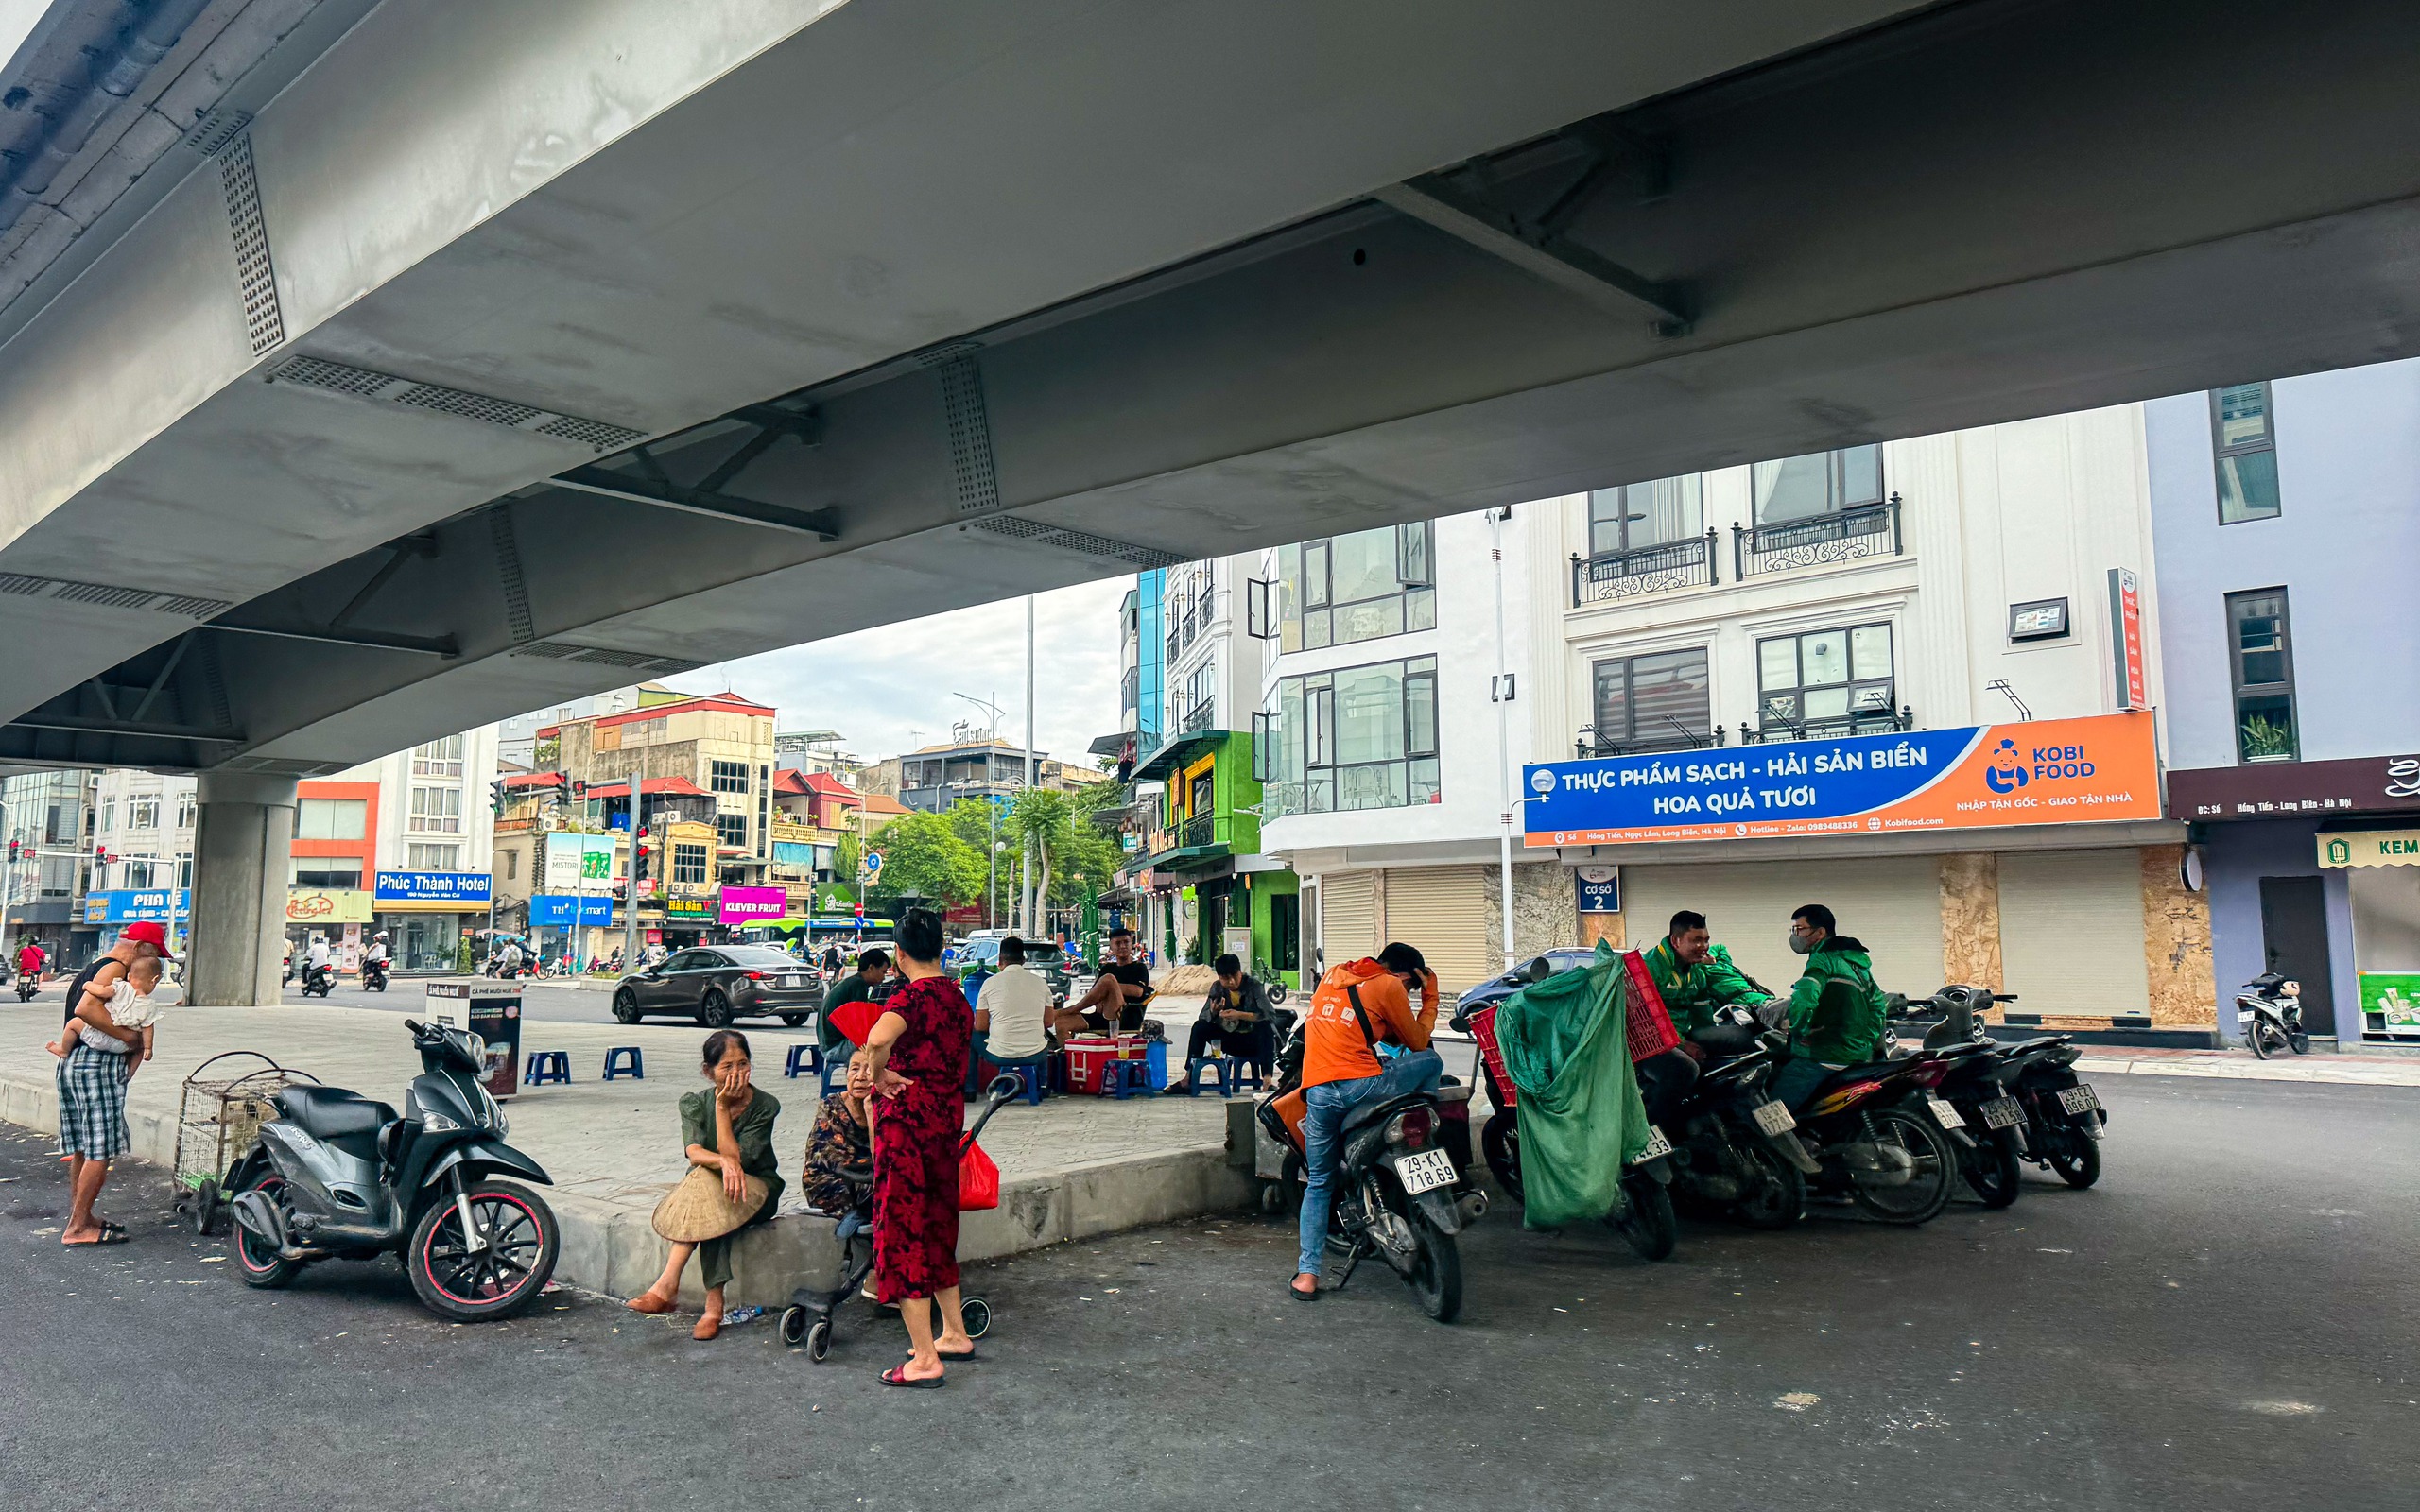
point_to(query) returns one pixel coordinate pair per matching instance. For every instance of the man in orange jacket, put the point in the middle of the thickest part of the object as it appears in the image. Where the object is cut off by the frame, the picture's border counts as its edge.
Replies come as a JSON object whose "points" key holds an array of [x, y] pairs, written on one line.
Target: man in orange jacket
{"points": [[1359, 1007]]}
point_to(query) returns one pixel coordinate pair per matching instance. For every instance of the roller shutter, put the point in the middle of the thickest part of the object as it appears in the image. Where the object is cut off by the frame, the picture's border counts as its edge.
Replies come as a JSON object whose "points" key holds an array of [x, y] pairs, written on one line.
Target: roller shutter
{"points": [[1348, 916], [1443, 911], [1892, 903], [2071, 931]]}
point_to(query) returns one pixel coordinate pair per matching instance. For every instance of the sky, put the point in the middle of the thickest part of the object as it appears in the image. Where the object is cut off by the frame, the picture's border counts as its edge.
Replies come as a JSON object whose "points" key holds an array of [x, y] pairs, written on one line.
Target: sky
{"points": [[888, 689]]}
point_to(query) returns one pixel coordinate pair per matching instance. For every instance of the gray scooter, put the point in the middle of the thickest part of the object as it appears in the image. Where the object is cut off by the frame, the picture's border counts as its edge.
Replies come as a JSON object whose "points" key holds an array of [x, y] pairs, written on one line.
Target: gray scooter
{"points": [[339, 1176]]}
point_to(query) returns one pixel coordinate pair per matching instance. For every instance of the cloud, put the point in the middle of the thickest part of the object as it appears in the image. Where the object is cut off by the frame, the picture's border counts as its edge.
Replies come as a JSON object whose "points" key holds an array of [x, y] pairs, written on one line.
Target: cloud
{"points": [[890, 690]]}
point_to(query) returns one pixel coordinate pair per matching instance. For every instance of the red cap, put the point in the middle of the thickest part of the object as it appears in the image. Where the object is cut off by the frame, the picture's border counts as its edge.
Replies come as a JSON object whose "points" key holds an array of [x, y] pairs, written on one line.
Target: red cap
{"points": [[147, 933]]}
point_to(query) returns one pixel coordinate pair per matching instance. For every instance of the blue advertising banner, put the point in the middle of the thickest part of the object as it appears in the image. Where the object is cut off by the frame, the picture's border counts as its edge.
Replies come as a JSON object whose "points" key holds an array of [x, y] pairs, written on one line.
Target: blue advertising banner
{"points": [[557, 911], [2050, 771], [158, 904], [434, 887]]}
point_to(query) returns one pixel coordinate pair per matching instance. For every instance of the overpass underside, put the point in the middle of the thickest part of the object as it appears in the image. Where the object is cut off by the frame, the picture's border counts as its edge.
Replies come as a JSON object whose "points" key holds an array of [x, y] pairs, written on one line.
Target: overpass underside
{"points": [[844, 336]]}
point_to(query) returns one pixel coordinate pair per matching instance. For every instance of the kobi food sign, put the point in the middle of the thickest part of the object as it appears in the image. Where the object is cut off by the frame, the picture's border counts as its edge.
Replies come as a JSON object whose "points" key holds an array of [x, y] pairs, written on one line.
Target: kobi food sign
{"points": [[2046, 771]]}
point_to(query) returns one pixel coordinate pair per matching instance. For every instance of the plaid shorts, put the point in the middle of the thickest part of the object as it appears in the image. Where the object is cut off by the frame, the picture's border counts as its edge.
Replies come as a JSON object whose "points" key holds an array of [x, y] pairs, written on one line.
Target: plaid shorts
{"points": [[92, 1104]]}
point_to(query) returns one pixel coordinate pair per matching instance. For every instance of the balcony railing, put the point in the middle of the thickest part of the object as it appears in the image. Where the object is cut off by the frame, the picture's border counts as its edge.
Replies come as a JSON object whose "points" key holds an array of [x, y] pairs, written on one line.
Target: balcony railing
{"points": [[1612, 574], [1592, 746], [1201, 716], [1200, 833], [1867, 530], [1860, 722]]}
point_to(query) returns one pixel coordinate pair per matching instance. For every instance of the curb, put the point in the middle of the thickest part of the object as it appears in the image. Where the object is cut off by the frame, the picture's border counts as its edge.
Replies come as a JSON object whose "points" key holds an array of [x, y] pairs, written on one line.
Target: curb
{"points": [[612, 1249]]}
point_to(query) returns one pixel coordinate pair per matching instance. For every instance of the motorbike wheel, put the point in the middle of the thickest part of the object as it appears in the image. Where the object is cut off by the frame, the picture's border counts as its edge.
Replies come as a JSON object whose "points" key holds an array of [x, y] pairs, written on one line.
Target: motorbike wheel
{"points": [[2298, 1043], [379, 986], [206, 1206], [255, 1259], [466, 1287], [1777, 1199], [1927, 1189], [1646, 1217], [1500, 1141], [1992, 1169], [2256, 1040], [2077, 1158], [1436, 1275], [626, 1007], [713, 1011]]}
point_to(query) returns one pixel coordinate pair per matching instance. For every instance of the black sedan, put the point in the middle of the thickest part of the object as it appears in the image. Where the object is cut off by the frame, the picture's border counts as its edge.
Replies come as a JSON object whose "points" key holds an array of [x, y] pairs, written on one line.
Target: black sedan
{"points": [[717, 984]]}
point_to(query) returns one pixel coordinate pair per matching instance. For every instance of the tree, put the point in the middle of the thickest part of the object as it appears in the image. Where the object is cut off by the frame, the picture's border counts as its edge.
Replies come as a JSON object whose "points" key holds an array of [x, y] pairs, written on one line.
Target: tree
{"points": [[847, 862], [923, 854]]}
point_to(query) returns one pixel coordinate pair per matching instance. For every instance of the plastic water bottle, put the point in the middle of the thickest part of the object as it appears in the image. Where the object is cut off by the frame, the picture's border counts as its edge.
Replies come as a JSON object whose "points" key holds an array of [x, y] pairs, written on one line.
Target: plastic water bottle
{"points": [[741, 1315]]}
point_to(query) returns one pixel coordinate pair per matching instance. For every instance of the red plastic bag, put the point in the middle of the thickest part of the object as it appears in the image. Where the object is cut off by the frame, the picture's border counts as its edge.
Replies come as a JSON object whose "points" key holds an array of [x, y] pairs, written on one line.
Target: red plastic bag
{"points": [[978, 1180], [857, 1019]]}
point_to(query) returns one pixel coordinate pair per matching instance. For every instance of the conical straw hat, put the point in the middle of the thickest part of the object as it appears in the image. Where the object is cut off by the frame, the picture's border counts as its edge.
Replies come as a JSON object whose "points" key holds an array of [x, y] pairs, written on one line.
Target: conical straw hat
{"points": [[698, 1209]]}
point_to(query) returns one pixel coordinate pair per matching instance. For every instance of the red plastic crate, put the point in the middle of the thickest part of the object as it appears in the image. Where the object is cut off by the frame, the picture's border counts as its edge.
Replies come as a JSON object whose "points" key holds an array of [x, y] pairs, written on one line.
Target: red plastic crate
{"points": [[1651, 1026]]}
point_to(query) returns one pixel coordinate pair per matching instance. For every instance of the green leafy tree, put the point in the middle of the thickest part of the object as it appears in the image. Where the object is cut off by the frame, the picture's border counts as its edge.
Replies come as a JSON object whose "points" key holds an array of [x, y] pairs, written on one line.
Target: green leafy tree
{"points": [[921, 854]]}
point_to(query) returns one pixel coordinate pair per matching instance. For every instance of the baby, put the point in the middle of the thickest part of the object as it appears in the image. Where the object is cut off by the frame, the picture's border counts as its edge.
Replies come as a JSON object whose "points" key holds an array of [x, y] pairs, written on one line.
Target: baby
{"points": [[129, 1005]]}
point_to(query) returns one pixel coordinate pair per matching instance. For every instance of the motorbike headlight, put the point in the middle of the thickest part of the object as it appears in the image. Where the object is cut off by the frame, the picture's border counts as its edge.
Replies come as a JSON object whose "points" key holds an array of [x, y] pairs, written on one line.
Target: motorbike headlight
{"points": [[438, 1124]]}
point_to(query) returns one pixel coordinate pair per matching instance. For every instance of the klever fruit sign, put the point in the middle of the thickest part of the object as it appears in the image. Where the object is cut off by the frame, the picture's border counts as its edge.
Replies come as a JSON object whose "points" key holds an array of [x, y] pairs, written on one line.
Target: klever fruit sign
{"points": [[2046, 771]]}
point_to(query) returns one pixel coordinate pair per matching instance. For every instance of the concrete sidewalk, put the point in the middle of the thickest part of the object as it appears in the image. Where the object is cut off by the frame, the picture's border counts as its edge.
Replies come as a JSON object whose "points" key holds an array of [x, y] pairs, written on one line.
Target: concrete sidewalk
{"points": [[2242, 1065], [1071, 1168]]}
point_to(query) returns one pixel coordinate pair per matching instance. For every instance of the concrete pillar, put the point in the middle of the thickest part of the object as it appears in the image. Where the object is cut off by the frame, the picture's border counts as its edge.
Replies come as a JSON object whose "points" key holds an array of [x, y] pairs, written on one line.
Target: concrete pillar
{"points": [[241, 843]]}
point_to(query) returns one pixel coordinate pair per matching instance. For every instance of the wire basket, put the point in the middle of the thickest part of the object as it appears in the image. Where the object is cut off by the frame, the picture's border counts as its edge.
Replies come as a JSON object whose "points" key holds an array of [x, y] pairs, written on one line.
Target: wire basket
{"points": [[219, 1114]]}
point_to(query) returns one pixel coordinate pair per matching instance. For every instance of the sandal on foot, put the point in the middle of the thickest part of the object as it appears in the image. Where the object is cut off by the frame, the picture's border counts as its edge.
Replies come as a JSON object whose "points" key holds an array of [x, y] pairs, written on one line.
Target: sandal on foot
{"points": [[893, 1378], [707, 1327], [109, 1236], [948, 1358], [649, 1303]]}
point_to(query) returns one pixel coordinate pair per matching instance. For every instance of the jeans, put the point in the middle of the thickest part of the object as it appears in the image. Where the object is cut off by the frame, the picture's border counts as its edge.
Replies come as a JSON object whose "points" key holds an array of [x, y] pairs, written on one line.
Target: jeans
{"points": [[1254, 1043], [1324, 1111], [1797, 1080]]}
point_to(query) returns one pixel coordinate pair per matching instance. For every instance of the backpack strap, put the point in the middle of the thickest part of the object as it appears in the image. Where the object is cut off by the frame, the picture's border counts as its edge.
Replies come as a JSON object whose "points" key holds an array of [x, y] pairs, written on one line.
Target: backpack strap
{"points": [[1352, 995]]}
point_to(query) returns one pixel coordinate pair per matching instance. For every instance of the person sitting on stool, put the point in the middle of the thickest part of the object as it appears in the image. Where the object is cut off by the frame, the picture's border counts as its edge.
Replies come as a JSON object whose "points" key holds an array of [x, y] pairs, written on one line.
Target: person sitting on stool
{"points": [[1235, 1014]]}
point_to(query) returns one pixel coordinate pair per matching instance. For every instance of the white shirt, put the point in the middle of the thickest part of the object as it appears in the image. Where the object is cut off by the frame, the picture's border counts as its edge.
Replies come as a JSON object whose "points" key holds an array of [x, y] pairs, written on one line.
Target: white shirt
{"points": [[128, 1009], [377, 951], [1018, 1002], [318, 953]]}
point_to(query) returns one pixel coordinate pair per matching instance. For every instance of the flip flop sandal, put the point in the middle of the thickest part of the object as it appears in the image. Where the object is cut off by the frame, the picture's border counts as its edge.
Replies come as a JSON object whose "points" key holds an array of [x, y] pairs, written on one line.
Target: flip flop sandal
{"points": [[109, 1236], [893, 1378], [958, 1359], [1301, 1295]]}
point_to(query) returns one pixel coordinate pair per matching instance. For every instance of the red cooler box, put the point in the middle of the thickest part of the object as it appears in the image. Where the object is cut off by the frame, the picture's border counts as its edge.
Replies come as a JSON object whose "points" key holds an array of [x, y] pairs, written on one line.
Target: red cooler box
{"points": [[1088, 1058]]}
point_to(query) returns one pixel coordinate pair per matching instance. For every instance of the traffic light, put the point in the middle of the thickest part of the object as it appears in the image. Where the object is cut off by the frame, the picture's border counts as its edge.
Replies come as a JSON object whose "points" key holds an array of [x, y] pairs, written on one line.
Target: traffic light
{"points": [[579, 789], [496, 797], [639, 849], [12, 853]]}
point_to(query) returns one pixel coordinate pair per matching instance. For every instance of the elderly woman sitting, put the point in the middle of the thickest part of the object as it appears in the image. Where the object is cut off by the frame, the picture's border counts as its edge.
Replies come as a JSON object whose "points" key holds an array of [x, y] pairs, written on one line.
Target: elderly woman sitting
{"points": [[841, 1143]]}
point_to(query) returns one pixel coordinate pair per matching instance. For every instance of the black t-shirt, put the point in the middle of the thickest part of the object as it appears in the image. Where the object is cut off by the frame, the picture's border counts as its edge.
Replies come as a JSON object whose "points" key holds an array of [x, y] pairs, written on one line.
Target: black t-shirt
{"points": [[1134, 973], [84, 980]]}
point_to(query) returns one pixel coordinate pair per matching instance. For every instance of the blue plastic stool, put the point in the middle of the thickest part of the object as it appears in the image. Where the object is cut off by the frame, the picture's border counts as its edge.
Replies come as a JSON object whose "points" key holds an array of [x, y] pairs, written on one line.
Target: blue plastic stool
{"points": [[1248, 1076], [835, 1074], [625, 1060], [804, 1058], [545, 1066], [1033, 1072], [1129, 1078], [1221, 1069]]}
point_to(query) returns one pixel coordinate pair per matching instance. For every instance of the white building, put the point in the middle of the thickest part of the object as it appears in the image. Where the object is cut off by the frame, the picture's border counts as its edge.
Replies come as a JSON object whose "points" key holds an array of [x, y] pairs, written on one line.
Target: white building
{"points": [[144, 822]]}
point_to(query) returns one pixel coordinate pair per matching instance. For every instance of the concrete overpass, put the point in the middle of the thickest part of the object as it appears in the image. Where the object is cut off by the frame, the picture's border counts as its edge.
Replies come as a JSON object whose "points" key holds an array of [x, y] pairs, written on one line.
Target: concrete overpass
{"points": [[469, 356]]}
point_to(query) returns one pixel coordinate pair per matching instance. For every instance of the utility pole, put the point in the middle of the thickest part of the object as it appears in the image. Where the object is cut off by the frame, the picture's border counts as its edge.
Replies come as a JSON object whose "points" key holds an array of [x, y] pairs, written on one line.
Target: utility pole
{"points": [[1501, 693], [990, 704], [1033, 843]]}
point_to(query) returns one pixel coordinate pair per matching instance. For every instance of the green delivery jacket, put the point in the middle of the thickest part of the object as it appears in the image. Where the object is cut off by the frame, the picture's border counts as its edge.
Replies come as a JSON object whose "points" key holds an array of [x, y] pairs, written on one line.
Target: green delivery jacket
{"points": [[1847, 1042], [1691, 993]]}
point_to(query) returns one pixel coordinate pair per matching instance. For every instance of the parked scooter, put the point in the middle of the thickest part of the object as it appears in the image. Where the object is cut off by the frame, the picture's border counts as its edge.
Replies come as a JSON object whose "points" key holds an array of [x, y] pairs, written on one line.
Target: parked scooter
{"points": [[339, 1176], [2025, 1098], [1399, 1192], [2270, 1012], [1734, 1149], [1880, 1138]]}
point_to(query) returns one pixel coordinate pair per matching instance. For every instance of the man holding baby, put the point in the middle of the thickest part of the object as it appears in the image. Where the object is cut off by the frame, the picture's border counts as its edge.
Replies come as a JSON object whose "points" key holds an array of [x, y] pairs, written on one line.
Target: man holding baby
{"points": [[106, 1034]]}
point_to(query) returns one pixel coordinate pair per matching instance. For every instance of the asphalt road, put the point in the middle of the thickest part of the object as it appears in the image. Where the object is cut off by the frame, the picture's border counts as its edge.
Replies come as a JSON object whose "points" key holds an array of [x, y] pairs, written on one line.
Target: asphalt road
{"points": [[556, 1002], [2226, 1322]]}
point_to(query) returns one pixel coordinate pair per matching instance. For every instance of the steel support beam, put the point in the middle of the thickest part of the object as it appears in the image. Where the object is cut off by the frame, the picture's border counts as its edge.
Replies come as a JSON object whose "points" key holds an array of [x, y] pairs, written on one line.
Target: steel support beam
{"points": [[442, 646], [1569, 267], [664, 495], [73, 725]]}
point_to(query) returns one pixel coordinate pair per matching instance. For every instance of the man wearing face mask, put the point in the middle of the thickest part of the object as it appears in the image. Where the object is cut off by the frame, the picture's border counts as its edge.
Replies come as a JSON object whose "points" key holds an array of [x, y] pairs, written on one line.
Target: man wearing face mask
{"points": [[1818, 1048]]}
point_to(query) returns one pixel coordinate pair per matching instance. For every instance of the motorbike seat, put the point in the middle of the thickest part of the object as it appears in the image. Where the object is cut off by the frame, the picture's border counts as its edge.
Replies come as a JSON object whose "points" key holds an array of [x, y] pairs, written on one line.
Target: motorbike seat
{"points": [[336, 1115], [1378, 1112]]}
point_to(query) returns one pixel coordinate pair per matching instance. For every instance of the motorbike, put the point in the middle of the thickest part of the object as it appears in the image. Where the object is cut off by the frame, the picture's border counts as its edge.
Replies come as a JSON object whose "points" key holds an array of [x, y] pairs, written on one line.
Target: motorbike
{"points": [[28, 983], [1642, 1213], [1734, 1149], [319, 979], [373, 975], [337, 1175], [1882, 1136], [1399, 1193], [2024, 1098], [2270, 1012]]}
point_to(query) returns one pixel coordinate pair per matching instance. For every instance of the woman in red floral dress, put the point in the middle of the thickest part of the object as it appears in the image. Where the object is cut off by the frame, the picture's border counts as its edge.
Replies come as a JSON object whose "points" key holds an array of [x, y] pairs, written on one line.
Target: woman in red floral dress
{"points": [[916, 1050]]}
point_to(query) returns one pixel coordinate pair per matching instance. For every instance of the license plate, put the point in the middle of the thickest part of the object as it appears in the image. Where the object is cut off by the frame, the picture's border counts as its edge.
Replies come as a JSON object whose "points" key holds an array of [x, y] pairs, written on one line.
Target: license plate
{"points": [[2002, 1112], [1424, 1170], [1945, 1113], [1657, 1146], [1773, 1118], [793, 981], [2078, 1099]]}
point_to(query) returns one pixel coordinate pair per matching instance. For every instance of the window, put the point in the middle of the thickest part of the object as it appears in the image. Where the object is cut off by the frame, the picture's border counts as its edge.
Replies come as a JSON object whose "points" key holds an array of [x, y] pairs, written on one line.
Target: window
{"points": [[1820, 483], [330, 818], [332, 880], [732, 830], [143, 812], [1200, 711], [512, 865], [437, 811], [689, 865], [184, 872], [1829, 683], [1358, 587], [1659, 702], [729, 777], [1355, 738], [1644, 514], [185, 812], [439, 757], [109, 816], [138, 873], [2261, 656], [2246, 449], [432, 858]]}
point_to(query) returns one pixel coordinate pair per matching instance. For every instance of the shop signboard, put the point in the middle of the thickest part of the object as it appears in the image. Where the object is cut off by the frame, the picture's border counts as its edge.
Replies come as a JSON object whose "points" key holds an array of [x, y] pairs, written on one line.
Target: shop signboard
{"points": [[2126, 638], [160, 905], [2101, 769], [695, 910], [2391, 1001], [578, 863], [2269, 790], [569, 910], [751, 906], [1600, 890], [319, 906], [399, 891], [2369, 848]]}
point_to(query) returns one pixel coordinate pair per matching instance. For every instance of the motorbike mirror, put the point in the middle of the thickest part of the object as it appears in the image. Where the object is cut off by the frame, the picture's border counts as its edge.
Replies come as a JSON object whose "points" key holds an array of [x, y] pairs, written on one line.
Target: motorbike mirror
{"points": [[1538, 970]]}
